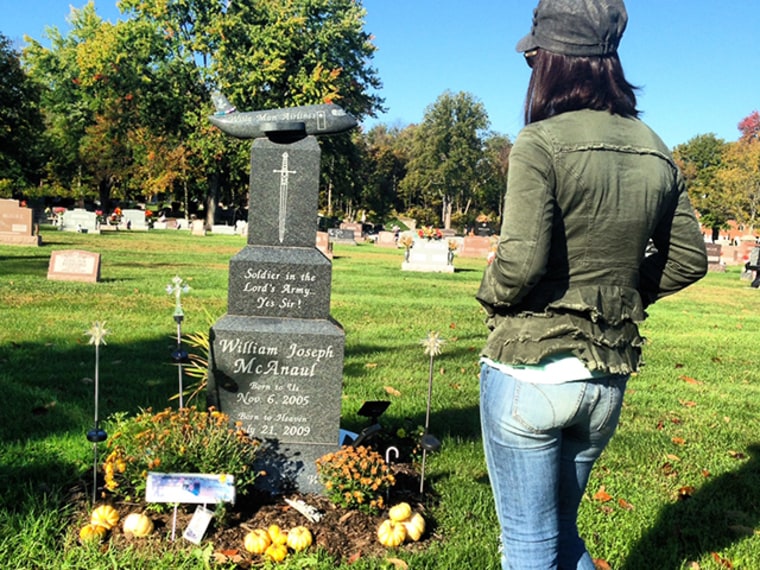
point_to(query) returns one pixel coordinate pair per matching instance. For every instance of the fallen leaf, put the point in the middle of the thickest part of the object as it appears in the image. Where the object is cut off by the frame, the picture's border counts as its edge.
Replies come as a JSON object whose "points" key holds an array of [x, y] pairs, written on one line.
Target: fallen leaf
{"points": [[695, 566], [398, 563], [725, 562], [735, 454], [602, 496], [371, 365], [690, 380], [685, 492], [673, 457], [678, 441], [678, 365], [705, 473], [668, 469], [354, 557], [224, 556], [392, 391], [625, 505], [452, 326], [716, 359], [600, 564], [688, 403]]}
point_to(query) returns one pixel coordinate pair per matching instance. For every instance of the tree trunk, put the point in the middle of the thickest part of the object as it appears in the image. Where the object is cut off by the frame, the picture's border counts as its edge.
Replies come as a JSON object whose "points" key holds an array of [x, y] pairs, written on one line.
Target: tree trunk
{"points": [[210, 201]]}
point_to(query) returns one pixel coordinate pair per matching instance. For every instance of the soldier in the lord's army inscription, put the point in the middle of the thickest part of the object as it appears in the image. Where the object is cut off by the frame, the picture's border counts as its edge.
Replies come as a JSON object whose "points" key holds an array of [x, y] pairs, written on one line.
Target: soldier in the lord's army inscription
{"points": [[277, 356]]}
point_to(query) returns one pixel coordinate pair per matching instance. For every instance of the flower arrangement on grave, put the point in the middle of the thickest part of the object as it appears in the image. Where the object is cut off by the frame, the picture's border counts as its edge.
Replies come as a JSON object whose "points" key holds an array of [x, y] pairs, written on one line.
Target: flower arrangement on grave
{"points": [[407, 242], [115, 217], [185, 440], [429, 233], [355, 478]]}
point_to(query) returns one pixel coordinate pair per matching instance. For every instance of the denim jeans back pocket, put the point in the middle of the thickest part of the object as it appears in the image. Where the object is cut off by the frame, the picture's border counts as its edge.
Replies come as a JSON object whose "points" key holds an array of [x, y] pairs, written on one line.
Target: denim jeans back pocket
{"points": [[543, 407]]}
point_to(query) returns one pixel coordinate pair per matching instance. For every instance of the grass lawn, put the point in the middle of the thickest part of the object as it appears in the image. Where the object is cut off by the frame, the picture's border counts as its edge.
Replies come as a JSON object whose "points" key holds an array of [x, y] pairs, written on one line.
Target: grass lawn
{"points": [[678, 487]]}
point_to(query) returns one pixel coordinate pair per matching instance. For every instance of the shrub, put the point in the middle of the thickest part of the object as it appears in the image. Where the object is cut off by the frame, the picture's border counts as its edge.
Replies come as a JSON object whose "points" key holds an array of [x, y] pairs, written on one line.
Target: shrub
{"points": [[355, 478], [176, 441]]}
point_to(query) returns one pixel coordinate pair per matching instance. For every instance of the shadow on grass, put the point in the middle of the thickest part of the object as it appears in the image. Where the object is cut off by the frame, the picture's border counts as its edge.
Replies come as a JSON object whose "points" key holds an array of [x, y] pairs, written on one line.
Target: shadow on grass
{"points": [[49, 390], [713, 518]]}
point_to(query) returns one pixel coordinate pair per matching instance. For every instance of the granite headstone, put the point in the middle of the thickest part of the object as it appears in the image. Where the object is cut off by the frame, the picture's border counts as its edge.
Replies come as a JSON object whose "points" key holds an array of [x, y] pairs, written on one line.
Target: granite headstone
{"points": [[16, 226], [277, 356]]}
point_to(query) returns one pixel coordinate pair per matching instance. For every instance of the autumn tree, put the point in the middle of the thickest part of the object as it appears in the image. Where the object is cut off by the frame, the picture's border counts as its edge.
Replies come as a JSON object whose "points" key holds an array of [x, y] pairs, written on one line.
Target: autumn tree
{"points": [[700, 160], [749, 127], [446, 151], [739, 178]]}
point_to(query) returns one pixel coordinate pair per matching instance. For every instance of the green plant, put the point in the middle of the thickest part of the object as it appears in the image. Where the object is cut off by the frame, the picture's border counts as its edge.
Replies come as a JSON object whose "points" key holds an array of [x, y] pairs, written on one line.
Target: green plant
{"points": [[355, 478], [185, 440]]}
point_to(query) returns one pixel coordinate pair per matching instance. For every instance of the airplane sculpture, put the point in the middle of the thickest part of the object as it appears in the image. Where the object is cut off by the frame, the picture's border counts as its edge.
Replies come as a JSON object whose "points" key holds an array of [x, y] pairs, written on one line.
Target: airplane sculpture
{"points": [[327, 119]]}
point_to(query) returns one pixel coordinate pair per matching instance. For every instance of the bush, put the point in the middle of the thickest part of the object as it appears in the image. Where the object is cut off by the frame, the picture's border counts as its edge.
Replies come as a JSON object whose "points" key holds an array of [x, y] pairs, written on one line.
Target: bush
{"points": [[176, 441], [355, 478]]}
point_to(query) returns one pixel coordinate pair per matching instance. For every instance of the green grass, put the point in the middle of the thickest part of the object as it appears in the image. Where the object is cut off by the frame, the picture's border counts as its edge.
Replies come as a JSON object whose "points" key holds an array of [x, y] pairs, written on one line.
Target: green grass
{"points": [[689, 426]]}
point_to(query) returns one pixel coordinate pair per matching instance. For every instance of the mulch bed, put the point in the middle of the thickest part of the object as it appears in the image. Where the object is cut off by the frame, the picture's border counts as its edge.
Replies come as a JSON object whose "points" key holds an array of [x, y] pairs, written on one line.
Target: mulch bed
{"points": [[346, 535]]}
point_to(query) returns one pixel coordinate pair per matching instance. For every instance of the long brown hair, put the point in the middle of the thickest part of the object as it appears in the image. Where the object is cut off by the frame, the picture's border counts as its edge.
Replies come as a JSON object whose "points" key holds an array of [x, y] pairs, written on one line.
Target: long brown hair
{"points": [[561, 83]]}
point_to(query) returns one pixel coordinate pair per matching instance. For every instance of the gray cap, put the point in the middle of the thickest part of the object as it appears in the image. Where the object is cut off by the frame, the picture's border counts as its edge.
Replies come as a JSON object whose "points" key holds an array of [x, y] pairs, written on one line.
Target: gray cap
{"points": [[576, 27]]}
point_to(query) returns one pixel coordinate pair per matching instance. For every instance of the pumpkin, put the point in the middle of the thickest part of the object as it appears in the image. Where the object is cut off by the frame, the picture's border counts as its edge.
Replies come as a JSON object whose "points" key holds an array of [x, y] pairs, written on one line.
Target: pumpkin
{"points": [[277, 535], [400, 512], [257, 541], [391, 533], [299, 538], [105, 516], [137, 524], [276, 552], [415, 527], [91, 532]]}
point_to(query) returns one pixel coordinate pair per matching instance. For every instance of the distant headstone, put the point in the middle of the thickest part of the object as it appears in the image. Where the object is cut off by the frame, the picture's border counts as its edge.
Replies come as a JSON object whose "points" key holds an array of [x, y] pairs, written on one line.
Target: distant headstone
{"points": [[431, 256], [134, 219], [74, 265], [476, 247], [343, 236], [324, 245], [386, 239], [81, 221], [277, 356], [223, 230], [198, 228], [713, 257], [355, 227], [16, 227]]}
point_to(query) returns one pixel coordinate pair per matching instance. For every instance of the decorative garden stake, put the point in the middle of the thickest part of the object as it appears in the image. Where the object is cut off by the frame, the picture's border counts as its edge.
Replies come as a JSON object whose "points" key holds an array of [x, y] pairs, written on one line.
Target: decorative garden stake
{"points": [[177, 287], [97, 335], [429, 442]]}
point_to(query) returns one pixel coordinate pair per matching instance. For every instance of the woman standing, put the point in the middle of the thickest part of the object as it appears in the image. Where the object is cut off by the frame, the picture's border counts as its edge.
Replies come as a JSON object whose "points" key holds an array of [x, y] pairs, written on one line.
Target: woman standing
{"points": [[589, 186]]}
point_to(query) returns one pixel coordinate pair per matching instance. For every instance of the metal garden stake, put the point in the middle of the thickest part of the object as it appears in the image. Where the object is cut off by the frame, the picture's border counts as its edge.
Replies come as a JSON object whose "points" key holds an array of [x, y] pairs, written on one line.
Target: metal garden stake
{"points": [[429, 442], [177, 287], [97, 335]]}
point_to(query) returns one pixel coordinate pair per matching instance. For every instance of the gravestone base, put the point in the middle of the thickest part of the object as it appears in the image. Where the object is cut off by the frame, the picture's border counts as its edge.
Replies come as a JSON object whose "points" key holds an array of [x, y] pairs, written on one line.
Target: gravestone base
{"points": [[281, 378], [8, 238]]}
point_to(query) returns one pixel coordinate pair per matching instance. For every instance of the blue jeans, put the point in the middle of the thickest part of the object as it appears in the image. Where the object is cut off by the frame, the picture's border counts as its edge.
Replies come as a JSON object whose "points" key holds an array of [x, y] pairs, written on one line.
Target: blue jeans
{"points": [[541, 441]]}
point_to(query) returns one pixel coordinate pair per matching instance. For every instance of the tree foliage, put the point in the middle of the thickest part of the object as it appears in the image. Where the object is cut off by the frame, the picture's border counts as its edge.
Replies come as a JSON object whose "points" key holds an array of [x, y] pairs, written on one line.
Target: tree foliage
{"points": [[447, 149], [20, 124]]}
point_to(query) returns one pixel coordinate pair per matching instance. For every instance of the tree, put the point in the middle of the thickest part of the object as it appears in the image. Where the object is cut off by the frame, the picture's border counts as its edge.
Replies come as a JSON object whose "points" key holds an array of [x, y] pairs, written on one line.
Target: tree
{"points": [[739, 177], [700, 159], [20, 124], [749, 126], [447, 149]]}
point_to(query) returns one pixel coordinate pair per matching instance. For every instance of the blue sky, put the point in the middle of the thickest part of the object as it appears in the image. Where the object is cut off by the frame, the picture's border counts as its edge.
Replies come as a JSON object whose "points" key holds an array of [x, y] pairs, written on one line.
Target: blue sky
{"points": [[696, 62]]}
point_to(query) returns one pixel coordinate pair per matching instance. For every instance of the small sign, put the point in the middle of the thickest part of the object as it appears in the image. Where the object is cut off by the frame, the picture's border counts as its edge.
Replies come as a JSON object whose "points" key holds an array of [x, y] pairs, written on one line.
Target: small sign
{"points": [[198, 525], [195, 488], [74, 265]]}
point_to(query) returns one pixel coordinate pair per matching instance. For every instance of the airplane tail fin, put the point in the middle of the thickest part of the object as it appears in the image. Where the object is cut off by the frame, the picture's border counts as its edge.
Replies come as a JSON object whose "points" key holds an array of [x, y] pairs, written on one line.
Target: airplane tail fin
{"points": [[221, 104]]}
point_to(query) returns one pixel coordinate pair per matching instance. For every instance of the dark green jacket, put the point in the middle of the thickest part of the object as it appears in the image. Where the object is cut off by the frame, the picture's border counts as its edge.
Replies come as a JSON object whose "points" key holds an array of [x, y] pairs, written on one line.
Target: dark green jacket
{"points": [[586, 191]]}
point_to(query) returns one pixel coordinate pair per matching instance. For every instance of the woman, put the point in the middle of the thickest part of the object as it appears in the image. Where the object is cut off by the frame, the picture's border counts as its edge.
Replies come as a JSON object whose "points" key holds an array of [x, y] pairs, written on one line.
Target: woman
{"points": [[589, 186]]}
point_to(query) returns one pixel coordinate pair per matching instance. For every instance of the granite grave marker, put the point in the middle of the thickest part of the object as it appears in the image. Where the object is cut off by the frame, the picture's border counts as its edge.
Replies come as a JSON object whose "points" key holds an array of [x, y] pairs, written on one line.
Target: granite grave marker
{"points": [[277, 356], [16, 227]]}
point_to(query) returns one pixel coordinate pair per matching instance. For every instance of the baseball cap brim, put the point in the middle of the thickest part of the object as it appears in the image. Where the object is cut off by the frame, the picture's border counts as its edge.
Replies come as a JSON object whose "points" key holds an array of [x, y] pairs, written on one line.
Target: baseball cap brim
{"points": [[528, 43]]}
